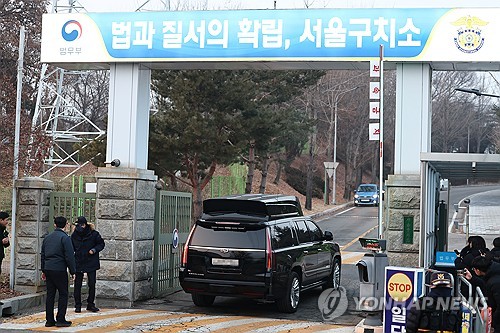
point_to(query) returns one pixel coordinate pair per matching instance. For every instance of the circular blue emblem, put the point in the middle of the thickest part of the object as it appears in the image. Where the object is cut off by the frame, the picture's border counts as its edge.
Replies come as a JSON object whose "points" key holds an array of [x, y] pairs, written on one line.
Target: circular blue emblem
{"points": [[71, 30], [175, 238]]}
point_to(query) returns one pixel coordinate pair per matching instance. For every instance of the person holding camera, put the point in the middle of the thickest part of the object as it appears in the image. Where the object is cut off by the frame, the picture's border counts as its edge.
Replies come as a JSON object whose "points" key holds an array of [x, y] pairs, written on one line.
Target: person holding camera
{"points": [[57, 256], [489, 271], [87, 243]]}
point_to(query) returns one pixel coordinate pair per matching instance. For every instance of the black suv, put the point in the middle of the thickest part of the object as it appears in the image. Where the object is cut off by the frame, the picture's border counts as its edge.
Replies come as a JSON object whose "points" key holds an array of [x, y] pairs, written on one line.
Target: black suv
{"points": [[257, 246]]}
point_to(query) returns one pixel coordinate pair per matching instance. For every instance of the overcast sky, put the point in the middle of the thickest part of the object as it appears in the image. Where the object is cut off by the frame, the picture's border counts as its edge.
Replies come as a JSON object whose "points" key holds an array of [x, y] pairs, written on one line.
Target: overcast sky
{"points": [[132, 5]]}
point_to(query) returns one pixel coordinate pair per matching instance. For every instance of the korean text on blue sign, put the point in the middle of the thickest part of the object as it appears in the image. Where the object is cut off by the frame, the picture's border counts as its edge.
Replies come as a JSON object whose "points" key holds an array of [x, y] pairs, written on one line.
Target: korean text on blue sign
{"points": [[267, 34]]}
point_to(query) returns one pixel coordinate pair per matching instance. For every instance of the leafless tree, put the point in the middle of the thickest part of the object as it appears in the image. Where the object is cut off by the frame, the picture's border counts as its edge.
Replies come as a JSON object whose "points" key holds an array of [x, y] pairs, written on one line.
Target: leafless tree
{"points": [[461, 122]]}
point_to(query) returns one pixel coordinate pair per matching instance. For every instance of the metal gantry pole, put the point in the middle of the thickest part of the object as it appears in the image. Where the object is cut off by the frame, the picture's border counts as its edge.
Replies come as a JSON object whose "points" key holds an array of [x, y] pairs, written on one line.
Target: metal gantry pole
{"points": [[381, 146]]}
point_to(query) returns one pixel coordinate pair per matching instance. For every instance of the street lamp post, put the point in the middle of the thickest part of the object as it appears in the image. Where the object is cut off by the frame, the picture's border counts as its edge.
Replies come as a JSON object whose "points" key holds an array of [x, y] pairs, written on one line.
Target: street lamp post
{"points": [[478, 93], [335, 164]]}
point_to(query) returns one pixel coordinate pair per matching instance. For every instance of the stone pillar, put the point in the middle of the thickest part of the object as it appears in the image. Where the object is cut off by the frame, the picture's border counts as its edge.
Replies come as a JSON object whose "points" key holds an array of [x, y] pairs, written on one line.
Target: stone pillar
{"points": [[402, 201], [32, 225], [125, 219]]}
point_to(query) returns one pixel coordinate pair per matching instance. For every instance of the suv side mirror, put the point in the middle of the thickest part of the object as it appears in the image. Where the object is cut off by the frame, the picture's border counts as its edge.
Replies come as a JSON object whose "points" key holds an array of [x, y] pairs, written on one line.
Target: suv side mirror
{"points": [[328, 235]]}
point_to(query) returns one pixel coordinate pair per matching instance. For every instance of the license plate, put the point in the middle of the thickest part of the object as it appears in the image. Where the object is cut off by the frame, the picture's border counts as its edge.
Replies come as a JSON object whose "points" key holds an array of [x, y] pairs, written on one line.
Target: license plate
{"points": [[224, 262], [365, 200]]}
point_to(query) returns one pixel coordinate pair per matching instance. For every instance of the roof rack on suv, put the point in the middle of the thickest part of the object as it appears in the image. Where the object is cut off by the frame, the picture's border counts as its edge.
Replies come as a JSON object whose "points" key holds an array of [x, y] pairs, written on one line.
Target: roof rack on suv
{"points": [[269, 206]]}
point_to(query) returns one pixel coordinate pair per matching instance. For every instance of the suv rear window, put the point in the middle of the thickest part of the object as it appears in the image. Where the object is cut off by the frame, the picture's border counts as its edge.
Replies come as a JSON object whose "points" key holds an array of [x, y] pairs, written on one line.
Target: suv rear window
{"points": [[212, 235]]}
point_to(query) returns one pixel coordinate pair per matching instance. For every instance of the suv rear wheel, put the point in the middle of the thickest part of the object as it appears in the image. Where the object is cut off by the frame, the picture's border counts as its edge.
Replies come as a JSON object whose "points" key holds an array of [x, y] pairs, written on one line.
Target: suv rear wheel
{"points": [[202, 300], [334, 277], [290, 302]]}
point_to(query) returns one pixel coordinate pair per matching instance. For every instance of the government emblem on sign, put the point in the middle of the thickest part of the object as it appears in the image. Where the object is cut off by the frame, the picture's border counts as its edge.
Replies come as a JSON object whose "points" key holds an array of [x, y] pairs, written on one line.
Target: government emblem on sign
{"points": [[175, 238], [469, 38]]}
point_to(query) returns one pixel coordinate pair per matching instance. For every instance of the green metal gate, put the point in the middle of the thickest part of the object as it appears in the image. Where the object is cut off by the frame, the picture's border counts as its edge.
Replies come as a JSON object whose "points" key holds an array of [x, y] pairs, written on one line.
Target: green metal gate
{"points": [[172, 225], [71, 205]]}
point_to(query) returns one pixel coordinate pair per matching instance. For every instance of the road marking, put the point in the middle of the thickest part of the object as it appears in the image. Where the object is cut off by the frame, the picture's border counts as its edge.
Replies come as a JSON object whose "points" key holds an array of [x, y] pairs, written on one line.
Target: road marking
{"points": [[357, 238], [138, 320], [350, 258], [37, 321], [204, 323], [344, 211], [156, 319]]}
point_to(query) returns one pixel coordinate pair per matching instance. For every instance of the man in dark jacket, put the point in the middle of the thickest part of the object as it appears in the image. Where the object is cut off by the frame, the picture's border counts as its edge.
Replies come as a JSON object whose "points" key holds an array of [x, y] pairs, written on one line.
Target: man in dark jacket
{"points": [[57, 256], [4, 236], [87, 243], [436, 312], [489, 271]]}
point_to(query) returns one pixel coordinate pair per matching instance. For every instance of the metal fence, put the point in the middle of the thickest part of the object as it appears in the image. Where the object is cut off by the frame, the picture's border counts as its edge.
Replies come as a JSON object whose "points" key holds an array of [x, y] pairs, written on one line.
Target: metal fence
{"points": [[71, 205], [172, 225], [226, 185]]}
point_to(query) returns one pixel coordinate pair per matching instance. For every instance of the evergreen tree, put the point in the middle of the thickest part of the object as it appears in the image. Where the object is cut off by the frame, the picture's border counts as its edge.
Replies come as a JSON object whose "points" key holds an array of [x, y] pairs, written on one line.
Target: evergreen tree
{"points": [[199, 124]]}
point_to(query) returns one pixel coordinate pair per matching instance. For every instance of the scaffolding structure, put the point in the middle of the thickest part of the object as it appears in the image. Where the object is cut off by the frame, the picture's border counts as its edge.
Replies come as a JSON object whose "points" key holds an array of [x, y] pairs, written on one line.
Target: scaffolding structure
{"points": [[56, 114]]}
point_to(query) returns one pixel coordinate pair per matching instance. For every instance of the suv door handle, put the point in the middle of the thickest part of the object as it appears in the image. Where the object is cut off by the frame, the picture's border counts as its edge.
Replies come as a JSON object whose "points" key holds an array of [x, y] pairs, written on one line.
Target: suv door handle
{"points": [[306, 252]]}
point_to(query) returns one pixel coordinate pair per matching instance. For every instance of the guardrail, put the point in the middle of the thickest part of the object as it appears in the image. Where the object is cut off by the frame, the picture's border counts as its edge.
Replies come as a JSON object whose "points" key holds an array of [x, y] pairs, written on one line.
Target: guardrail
{"points": [[477, 305]]}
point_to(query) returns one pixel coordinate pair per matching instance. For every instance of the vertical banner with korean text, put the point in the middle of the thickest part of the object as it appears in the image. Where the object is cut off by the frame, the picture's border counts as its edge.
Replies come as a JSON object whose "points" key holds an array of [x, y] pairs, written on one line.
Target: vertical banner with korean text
{"points": [[374, 107], [402, 286]]}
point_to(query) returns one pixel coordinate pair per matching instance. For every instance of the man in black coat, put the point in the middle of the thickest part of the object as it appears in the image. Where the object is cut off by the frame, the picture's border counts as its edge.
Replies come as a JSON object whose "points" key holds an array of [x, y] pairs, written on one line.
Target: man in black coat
{"points": [[489, 271], [57, 256], [4, 236], [87, 243]]}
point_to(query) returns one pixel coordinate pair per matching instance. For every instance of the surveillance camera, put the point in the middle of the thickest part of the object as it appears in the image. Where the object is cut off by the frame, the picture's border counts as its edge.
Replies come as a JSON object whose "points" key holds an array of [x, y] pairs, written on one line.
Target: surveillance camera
{"points": [[115, 162]]}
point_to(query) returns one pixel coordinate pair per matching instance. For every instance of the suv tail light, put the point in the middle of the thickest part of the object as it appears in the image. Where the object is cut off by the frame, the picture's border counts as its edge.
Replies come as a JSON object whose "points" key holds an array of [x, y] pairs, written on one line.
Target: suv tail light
{"points": [[185, 250], [269, 251]]}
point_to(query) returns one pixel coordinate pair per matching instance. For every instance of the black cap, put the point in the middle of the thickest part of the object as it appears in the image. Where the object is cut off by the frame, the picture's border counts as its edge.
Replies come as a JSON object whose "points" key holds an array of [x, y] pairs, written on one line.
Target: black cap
{"points": [[81, 220], [441, 279]]}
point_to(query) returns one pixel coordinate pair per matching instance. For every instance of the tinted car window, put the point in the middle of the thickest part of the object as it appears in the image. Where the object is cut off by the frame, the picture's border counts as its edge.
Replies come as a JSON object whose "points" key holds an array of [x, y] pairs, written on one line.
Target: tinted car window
{"points": [[316, 234], [283, 236], [367, 188], [234, 238], [303, 232]]}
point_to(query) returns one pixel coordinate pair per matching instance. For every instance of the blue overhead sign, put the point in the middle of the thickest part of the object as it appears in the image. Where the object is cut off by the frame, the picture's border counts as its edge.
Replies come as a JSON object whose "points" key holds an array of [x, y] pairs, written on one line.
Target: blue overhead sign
{"points": [[311, 34]]}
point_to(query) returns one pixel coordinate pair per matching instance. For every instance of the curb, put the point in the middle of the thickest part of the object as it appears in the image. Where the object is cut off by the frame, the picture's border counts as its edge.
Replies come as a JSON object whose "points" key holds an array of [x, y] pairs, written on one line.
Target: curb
{"points": [[10, 306], [330, 212]]}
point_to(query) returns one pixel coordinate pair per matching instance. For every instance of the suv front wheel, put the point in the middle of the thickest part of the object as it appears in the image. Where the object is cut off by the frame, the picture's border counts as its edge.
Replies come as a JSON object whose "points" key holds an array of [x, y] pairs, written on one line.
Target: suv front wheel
{"points": [[334, 277], [202, 300], [290, 302]]}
